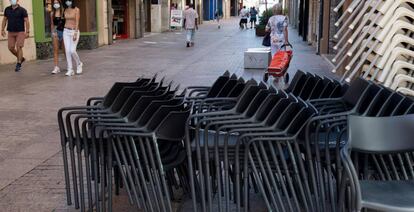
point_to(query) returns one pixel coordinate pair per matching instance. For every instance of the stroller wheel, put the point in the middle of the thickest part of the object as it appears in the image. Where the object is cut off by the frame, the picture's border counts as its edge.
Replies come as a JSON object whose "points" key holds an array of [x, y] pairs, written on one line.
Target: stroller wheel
{"points": [[286, 78], [265, 77]]}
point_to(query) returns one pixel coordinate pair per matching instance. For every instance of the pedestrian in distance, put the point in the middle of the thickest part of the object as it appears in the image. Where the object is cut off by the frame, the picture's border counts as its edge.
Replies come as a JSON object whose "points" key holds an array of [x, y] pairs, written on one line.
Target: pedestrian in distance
{"points": [[244, 15], [253, 17], [218, 15], [190, 24], [57, 26], [71, 37], [278, 28], [18, 29]]}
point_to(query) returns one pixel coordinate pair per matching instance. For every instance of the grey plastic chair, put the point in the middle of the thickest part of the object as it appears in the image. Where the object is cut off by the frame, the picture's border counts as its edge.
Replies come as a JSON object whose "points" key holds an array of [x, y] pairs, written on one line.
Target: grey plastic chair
{"points": [[389, 138]]}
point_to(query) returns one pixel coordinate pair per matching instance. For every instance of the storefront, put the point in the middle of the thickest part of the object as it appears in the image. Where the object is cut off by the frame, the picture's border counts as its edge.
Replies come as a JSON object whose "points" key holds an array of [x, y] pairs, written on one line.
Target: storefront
{"points": [[120, 28], [210, 7], [87, 26]]}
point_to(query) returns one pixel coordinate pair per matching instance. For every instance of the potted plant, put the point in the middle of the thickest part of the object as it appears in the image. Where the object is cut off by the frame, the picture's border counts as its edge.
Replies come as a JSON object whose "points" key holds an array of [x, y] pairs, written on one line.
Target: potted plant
{"points": [[263, 19]]}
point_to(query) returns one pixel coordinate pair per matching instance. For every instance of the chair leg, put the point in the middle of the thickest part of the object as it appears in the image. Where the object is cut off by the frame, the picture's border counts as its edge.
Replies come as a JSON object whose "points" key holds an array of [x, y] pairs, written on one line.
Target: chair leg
{"points": [[66, 172]]}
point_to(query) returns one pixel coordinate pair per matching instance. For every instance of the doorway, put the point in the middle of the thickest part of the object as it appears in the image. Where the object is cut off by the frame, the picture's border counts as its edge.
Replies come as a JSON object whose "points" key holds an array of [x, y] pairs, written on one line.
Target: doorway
{"points": [[147, 15], [120, 27]]}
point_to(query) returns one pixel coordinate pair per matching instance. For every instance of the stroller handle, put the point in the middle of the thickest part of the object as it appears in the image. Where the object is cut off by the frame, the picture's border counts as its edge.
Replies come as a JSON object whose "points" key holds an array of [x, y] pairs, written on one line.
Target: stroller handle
{"points": [[286, 45]]}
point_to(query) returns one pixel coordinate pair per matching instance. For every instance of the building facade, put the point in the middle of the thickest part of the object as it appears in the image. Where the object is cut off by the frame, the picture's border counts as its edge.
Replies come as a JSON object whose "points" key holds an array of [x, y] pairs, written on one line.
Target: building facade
{"points": [[315, 22]]}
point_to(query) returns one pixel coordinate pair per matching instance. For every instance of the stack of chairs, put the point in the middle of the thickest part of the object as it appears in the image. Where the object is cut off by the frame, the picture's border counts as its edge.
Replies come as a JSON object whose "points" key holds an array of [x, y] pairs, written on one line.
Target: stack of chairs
{"points": [[220, 143], [253, 145], [327, 133], [375, 42], [131, 136], [387, 174]]}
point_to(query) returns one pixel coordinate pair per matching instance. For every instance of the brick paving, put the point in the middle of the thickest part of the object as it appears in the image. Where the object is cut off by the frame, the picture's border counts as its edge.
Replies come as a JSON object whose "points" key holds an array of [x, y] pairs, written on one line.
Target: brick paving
{"points": [[31, 170]]}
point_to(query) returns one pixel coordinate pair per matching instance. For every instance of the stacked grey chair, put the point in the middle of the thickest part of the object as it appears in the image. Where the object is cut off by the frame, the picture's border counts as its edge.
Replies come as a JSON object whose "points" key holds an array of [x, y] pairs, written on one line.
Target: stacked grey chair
{"points": [[375, 41], [221, 143]]}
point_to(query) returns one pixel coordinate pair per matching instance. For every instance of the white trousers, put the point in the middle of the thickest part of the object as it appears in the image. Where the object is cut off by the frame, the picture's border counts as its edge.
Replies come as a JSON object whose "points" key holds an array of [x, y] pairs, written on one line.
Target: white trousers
{"points": [[70, 47], [190, 35]]}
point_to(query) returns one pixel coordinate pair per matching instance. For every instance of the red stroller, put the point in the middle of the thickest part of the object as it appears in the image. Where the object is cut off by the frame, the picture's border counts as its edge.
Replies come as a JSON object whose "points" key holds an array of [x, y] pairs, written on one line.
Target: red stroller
{"points": [[280, 64]]}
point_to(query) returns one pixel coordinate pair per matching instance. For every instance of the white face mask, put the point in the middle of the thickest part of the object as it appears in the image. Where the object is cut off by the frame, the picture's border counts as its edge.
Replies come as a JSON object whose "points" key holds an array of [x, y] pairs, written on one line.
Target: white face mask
{"points": [[56, 5], [68, 3], [13, 2]]}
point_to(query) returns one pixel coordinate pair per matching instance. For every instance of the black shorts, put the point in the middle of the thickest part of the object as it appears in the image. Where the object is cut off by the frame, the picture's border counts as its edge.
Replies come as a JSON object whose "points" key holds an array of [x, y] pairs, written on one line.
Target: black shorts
{"points": [[243, 21], [252, 19]]}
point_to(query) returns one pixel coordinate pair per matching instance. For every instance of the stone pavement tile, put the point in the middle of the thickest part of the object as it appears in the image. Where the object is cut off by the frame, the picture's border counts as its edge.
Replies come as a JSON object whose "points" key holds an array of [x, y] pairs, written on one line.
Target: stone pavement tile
{"points": [[10, 168]]}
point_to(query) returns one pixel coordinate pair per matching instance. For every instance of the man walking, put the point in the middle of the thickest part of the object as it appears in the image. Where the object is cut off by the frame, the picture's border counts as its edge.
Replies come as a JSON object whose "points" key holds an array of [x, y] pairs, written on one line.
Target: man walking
{"points": [[18, 28], [190, 24], [253, 17], [244, 15]]}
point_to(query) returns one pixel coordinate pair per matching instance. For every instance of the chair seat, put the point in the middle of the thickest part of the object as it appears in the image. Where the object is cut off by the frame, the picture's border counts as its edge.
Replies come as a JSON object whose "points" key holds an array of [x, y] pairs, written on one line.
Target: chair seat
{"points": [[388, 195]]}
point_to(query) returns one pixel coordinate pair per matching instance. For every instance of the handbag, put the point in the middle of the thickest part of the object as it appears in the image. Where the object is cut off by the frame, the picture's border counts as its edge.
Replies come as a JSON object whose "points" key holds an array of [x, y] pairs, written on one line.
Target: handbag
{"points": [[266, 40]]}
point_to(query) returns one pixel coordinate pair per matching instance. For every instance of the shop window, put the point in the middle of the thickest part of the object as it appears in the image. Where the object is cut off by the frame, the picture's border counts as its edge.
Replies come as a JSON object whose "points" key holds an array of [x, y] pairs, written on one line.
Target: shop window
{"points": [[47, 8], [87, 21], [120, 18], [88, 15]]}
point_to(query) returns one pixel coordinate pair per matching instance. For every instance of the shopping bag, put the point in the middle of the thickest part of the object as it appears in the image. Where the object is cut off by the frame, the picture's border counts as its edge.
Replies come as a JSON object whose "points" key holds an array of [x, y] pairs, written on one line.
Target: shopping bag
{"points": [[266, 40]]}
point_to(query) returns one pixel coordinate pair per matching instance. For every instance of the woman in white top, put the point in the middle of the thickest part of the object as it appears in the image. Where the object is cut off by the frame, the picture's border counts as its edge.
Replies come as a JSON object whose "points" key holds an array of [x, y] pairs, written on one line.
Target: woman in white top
{"points": [[277, 26], [71, 37]]}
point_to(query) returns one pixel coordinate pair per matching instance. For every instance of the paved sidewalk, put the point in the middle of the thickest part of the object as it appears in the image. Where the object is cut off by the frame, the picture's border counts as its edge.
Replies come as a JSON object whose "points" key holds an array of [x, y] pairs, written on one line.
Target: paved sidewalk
{"points": [[31, 172]]}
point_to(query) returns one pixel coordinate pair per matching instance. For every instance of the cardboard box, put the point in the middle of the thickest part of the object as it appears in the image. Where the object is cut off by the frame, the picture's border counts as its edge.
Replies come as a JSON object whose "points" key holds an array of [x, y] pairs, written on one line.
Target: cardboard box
{"points": [[257, 58]]}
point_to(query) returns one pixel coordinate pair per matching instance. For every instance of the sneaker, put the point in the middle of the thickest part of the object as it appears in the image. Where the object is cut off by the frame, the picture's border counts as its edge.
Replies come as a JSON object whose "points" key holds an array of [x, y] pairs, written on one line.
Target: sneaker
{"points": [[188, 44], [18, 67], [70, 73], [79, 68], [56, 70]]}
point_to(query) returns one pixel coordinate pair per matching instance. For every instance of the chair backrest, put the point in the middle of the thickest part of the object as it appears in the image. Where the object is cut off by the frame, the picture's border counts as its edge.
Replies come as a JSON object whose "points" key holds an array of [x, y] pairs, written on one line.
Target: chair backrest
{"points": [[116, 89], [319, 87], [403, 106], [355, 91], [301, 83], [367, 98], [245, 98], [228, 87], [137, 95], [300, 121], [217, 86], [391, 134], [172, 127], [299, 77], [256, 102], [238, 89], [337, 90], [376, 104], [150, 111], [289, 114], [390, 104], [410, 110], [279, 109], [268, 104], [126, 92], [161, 113], [309, 86], [144, 102], [328, 89], [344, 89]]}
